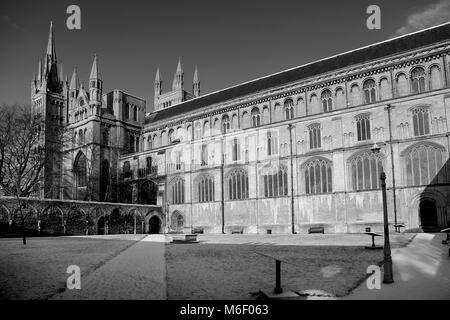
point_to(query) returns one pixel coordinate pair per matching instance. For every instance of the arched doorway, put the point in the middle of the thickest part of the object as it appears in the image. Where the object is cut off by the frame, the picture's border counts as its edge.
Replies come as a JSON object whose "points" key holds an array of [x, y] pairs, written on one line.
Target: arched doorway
{"points": [[177, 222], [101, 225], [428, 215], [154, 225]]}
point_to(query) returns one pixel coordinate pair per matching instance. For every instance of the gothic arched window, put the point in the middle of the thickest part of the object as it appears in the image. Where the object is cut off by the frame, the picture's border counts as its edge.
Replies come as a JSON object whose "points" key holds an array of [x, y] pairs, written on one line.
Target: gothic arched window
{"points": [[204, 155], [105, 136], [238, 184], [365, 169], [369, 91], [363, 126], [418, 80], [318, 176], [171, 136], [225, 124], [205, 187], [289, 109], [80, 167], [327, 101], [315, 139], [198, 131], [177, 190], [206, 128], [272, 143], [275, 181], [126, 169], [135, 113], [235, 150], [423, 164], [421, 121], [149, 143], [256, 117]]}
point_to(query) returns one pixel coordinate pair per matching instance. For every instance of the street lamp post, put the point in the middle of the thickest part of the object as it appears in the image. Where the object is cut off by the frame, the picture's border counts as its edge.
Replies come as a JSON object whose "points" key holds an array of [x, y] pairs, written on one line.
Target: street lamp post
{"points": [[388, 277]]}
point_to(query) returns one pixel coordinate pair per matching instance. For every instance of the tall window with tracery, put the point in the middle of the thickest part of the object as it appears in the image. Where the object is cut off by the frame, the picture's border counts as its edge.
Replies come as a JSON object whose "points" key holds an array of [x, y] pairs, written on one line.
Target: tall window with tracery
{"points": [[275, 181], [272, 143], [238, 185], [421, 121], [315, 139], [318, 176], [363, 127], [289, 109], [198, 131], [327, 101], [256, 117], [205, 187], [81, 170], [365, 169], [225, 124], [418, 80], [177, 189], [369, 88], [204, 155], [235, 150], [423, 164], [177, 160], [171, 136]]}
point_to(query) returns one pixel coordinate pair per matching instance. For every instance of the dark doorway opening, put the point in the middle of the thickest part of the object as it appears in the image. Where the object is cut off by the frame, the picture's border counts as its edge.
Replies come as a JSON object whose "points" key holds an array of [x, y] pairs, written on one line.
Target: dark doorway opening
{"points": [[101, 225], [154, 225], [428, 216]]}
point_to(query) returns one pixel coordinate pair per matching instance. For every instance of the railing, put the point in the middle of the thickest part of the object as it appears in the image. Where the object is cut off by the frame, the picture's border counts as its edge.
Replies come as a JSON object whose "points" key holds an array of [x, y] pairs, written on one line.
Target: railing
{"points": [[148, 172]]}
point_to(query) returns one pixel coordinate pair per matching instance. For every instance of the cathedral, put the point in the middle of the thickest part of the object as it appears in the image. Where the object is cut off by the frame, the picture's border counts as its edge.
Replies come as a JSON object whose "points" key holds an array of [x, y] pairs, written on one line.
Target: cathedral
{"points": [[278, 154]]}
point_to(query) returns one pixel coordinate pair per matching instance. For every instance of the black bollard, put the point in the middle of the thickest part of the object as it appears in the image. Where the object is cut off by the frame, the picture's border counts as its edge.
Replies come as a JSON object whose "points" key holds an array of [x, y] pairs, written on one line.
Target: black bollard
{"points": [[278, 288]]}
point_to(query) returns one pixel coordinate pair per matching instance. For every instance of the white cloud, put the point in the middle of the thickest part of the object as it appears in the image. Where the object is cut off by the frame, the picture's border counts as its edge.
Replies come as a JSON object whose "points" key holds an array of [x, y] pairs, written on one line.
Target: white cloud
{"points": [[429, 16]]}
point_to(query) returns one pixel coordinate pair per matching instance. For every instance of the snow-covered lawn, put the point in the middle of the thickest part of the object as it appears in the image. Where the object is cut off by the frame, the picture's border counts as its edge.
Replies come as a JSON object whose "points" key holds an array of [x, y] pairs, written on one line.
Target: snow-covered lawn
{"points": [[232, 267], [38, 270]]}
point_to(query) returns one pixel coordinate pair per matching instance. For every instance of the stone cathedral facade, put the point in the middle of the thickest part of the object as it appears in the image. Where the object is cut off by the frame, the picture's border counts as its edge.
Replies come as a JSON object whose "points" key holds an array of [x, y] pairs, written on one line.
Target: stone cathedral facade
{"points": [[277, 154]]}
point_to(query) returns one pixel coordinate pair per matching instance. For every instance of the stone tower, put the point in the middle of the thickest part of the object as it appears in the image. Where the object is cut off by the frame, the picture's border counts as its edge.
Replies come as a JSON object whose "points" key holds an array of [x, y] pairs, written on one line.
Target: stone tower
{"points": [[49, 101]]}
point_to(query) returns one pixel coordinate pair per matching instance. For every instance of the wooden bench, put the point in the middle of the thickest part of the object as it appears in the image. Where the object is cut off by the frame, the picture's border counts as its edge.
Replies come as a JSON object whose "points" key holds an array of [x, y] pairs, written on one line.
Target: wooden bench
{"points": [[316, 230], [184, 238], [235, 230], [446, 241], [373, 235], [398, 227]]}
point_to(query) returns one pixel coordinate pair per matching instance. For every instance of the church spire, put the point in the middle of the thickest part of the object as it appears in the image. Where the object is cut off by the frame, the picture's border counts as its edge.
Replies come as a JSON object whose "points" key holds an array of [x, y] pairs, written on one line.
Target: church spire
{"points": [[74, 83], [196, 83], [95, 74], [95, 85], [51, 51], [51, 68], [178, 79], [179, 69], [61, 73], [39, 77], [157, 77], [158, 83]]}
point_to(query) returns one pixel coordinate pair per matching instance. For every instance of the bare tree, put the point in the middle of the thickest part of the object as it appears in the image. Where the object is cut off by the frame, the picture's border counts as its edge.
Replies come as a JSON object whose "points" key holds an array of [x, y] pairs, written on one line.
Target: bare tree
{"points": [[23, 154], [22, 157]]}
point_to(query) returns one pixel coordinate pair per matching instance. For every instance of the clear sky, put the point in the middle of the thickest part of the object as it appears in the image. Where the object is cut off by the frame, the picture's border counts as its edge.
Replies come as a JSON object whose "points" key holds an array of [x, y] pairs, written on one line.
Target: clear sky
{"points": [[230, 41]]}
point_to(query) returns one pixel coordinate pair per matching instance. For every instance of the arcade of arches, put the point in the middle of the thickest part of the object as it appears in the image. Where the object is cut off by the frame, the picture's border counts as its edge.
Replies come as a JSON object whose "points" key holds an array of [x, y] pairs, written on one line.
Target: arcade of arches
{"points": [[56, 217]]}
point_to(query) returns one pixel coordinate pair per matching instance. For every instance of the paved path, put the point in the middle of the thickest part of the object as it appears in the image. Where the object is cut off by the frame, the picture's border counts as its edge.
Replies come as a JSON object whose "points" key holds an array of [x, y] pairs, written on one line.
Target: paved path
{"points": [[421, 271], [137, 273]]}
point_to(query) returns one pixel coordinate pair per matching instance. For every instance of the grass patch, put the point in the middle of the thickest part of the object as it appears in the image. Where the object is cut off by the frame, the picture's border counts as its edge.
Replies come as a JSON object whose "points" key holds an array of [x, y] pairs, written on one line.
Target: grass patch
{"points": [[38, 269]]}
